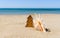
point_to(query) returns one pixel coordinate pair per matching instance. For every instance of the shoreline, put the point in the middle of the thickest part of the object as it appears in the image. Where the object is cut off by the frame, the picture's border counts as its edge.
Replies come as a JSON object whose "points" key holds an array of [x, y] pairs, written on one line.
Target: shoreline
{"points": [[29, 14]]}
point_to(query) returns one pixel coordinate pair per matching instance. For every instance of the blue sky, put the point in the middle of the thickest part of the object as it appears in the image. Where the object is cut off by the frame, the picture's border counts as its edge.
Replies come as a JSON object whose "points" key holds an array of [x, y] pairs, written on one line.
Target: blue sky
{"points": [[29, 3]]}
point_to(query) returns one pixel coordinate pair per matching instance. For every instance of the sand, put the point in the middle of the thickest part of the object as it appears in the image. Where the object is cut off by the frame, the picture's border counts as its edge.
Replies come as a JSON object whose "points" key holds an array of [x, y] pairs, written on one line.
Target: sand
{"points": [[13, 26]]}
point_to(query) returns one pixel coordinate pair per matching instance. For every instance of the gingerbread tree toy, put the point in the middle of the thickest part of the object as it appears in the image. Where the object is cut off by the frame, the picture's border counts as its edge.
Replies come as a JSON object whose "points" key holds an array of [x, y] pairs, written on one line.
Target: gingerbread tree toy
{"points": [[29, 22]]}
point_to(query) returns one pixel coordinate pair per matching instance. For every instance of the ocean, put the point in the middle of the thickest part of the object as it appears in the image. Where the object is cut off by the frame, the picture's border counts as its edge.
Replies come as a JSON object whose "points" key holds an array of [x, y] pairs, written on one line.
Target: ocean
{"points": [[29, 10]]}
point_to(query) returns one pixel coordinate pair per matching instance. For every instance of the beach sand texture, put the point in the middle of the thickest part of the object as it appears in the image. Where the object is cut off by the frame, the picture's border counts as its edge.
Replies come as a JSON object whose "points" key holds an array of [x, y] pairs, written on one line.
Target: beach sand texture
{"points": [[13, 26]]}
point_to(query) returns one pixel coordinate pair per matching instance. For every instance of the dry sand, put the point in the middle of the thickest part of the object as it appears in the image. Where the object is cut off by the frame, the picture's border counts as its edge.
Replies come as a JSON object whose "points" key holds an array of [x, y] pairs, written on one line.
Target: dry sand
{"points": [[13, 26]]}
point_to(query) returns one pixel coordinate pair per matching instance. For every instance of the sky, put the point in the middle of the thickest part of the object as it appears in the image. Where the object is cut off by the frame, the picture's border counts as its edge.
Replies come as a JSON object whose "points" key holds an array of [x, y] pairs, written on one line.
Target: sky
{"points": [[29, 3]]}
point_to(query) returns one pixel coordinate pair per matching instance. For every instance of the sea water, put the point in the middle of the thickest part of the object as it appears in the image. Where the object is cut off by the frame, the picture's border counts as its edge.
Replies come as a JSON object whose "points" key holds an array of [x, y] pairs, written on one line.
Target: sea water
{"points": [[29, 10]]}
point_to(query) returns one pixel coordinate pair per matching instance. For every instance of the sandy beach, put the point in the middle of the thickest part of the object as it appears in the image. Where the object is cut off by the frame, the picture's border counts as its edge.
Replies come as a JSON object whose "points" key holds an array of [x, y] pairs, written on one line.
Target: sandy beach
{"points": [[13, 26]]}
